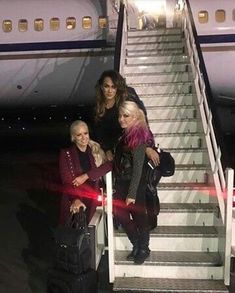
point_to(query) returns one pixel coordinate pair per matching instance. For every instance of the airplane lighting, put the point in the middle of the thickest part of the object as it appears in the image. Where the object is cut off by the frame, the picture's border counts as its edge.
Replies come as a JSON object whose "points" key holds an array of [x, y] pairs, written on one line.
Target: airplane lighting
{"points": [[150, 6]]}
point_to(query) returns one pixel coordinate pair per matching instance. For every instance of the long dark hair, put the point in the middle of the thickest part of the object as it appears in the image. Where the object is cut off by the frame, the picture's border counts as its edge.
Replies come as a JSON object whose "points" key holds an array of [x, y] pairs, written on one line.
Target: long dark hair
{"points": [[121, 95]]}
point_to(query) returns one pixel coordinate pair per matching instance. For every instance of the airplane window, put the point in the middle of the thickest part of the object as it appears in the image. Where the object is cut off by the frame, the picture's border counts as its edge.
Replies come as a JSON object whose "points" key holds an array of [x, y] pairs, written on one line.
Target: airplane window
{"points": [[54, 24], [70, 23], [203, 16], [86, 22], [38, 24], [233, 14], [220, 15], [23, 25], [7, 26], [102, 22]]}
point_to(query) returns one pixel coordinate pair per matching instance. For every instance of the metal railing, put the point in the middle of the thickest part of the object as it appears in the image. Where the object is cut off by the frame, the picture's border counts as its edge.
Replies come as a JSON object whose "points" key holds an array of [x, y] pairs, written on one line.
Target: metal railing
{"points": [[228, 223], [223, 186], [206, 114]]}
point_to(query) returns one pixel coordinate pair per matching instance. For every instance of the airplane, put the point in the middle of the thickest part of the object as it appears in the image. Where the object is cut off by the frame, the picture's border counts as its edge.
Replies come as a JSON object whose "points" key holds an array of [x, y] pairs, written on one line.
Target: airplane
{"points": [[52, 52], [43, 45], [49, 54]]}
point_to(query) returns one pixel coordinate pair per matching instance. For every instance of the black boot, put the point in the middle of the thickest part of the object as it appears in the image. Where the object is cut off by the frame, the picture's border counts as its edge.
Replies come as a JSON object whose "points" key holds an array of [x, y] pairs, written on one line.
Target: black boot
{"points": [[141, 255], [143, 251], [134, 252]]}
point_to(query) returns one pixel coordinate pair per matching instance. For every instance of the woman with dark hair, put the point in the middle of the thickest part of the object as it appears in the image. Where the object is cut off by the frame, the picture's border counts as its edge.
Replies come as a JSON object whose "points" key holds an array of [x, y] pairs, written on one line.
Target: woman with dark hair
{"points": [[111, 92], [130, 165]]}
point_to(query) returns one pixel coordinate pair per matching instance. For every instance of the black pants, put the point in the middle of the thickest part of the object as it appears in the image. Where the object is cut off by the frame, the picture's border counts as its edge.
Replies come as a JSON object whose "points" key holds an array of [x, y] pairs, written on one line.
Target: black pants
{"points": [[133, 217], [152, 206]]}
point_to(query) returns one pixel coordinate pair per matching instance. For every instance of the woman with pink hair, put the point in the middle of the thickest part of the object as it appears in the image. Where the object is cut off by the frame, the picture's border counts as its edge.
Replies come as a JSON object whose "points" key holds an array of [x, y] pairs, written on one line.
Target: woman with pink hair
{"points": [[130, 164]]}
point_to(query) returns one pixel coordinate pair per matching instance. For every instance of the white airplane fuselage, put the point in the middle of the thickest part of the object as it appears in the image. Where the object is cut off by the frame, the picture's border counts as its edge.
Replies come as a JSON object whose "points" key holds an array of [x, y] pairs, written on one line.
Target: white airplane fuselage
{"points": [[60, 67], [51, 66]]}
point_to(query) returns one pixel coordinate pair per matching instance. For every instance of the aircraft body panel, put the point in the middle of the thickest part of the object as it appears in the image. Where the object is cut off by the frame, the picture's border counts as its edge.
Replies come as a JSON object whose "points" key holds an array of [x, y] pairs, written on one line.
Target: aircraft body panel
{"points": [[217, 41], [47, 9], [52, 67]]}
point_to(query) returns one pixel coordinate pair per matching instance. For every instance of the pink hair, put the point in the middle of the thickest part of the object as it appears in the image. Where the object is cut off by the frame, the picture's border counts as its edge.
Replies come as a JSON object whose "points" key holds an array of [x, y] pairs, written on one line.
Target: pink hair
{"points": [[139, 133]]}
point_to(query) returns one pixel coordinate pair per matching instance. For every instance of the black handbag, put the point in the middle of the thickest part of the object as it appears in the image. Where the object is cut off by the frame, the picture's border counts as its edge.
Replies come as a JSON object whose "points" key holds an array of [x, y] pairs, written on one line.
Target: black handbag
{"points": [[72, 245], [166, 168], [167, 164]]}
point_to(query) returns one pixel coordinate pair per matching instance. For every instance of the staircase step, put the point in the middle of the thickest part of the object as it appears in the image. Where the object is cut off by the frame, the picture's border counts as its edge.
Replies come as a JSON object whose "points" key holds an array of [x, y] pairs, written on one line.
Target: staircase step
{"points": [[179, 140], [183, 214], [159, 126], [156, 51], [163, 88], [153, 39], [154, 46], [159, 31], [175, 238], [158, 68], [190, 156], [158, 77], [187, 193], [188, 173], [157, 59], [167, 264], [167, 99], [135, 285], [171, 112]]}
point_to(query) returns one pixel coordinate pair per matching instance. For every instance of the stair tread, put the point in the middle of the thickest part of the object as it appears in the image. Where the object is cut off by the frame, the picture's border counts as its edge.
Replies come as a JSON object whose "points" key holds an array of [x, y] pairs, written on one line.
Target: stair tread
{"points": [[184, 185], [179, 231], [173, 119], [189, 149], [178, 134], [145, 84], [188, 207], [173, 258], [134, 284], [192, 166], [183, 107], [154, 64]]}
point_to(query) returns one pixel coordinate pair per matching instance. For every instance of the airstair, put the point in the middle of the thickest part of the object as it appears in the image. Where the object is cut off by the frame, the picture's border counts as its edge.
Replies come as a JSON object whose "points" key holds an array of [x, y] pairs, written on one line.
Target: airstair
{"points": [[187, 247]]}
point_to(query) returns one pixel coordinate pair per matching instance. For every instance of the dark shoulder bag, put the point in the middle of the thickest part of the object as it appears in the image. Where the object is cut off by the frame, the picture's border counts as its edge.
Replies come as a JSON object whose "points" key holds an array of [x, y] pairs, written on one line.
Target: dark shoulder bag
{"points": [[166, 168], [72, 245]]}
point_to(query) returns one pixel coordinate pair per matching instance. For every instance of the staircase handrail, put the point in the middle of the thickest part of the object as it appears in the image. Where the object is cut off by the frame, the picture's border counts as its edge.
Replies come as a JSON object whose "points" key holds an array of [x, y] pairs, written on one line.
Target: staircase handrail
{"points": [[228, 218], [109, 212], [121, 39], [205, 111]]}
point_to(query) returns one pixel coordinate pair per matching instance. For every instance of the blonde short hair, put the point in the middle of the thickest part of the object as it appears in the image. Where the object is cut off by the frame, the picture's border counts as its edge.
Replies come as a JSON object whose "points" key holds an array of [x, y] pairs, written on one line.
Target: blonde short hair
{"points": [[132, 109], [97, 152]]}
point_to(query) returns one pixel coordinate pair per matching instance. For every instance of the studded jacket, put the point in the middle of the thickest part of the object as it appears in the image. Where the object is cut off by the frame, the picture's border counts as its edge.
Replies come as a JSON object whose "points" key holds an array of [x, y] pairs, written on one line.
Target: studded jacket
{"points": [[70, 168]]}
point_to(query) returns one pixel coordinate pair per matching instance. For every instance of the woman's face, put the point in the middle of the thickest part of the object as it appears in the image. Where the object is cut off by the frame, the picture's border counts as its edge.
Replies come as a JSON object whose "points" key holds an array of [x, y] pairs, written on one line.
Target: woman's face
{"points": [[126, 120], [81, 136], [109, 89]]}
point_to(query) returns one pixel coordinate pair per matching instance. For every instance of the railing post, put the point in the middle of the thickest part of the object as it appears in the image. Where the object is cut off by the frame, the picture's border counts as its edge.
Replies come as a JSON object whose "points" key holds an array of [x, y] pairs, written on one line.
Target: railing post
{"points": [[228, 221], [110, 225]]}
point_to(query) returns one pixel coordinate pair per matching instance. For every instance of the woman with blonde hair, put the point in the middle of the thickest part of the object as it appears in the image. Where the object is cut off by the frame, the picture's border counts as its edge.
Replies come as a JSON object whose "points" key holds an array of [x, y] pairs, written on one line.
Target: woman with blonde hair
{"points": [[130, 163], [81, 166]]}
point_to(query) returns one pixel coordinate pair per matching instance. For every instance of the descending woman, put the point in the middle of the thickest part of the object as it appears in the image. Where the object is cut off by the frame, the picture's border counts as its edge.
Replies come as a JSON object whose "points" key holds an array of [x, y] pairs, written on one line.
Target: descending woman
{"points": [[81, 166], [130, 163], [111, 92]]}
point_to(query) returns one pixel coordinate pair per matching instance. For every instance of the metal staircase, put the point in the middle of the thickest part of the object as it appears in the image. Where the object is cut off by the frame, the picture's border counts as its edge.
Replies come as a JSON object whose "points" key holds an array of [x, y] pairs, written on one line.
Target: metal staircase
{"points": [[186, 246]]}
